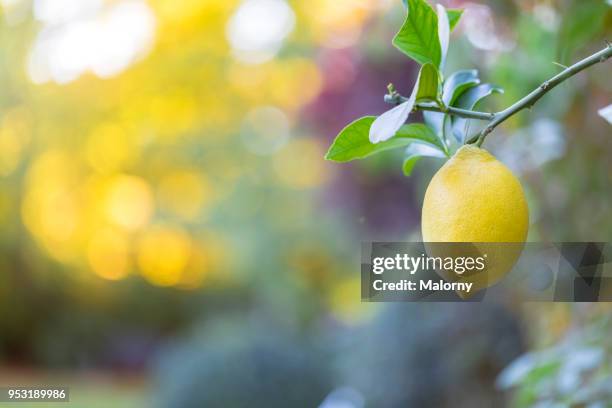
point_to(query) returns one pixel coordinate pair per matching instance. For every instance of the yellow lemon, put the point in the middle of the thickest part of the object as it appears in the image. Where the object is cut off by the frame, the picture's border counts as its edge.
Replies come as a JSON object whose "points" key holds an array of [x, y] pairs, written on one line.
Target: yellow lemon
{"points": [[475, 199]]}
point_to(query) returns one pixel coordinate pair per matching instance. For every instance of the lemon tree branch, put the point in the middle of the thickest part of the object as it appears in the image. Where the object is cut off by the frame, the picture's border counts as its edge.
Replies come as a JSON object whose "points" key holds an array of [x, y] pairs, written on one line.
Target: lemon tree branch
{"points": [[536, 94], [526, 102]]}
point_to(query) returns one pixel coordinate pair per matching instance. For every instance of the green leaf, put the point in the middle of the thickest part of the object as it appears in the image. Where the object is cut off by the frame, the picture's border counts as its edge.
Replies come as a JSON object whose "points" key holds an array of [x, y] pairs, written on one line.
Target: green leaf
{"points": [[409, 163], [421, 133], [529, 368], [353, 141], [434, 120], [429, 82], [468, 100], [454, 15], [415, 152], [457, 83], [418, 36]]}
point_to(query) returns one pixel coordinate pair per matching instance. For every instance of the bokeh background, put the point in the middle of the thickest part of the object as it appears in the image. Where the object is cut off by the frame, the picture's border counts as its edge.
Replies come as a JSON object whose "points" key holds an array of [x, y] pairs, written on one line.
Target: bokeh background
{"points": [[171, 235]]}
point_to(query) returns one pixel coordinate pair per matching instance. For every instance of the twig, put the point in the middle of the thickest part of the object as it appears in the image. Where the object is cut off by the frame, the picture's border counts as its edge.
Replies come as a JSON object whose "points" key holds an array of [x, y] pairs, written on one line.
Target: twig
{"points": [[396, 99], [540, 91], [497, 118]]}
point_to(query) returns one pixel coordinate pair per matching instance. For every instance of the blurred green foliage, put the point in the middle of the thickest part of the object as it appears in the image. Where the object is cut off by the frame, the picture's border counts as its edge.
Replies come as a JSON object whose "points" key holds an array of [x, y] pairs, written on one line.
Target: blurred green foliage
{"points": [[577, 371]]}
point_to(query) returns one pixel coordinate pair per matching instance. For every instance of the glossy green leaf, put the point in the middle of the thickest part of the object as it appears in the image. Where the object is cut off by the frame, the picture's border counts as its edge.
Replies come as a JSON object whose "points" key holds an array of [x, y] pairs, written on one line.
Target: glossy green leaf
{"points": [[457, 83], [418, 36], [454, 86], [435, 120], [468, 100], [420, 133], [409, 163], [454, 15], [429, 83], [415, 152], [353, 141]]}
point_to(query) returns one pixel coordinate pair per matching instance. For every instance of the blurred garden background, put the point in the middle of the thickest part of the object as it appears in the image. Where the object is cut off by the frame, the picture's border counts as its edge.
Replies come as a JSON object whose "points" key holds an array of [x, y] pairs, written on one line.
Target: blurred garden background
{"points": [[171, 235]]}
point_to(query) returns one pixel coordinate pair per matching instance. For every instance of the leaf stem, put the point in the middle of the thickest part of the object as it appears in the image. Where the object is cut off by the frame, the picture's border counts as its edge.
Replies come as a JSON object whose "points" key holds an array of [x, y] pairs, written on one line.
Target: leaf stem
{"points": [[536, 94], [396, 99], [464, 113]]}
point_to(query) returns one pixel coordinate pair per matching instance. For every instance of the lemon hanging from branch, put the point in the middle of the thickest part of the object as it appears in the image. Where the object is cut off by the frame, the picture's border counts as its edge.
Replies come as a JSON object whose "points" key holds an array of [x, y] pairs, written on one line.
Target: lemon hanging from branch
{"points": [[474, 198], [492, 206]]}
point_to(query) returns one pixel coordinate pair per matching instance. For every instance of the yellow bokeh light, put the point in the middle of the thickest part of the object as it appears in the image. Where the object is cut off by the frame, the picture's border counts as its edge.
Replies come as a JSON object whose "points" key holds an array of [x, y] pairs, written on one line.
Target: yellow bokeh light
{"points": [[247, 80], [175, 11], [173, 120], [108, 254], [109, 149], [184, 193], [51, 214], [292, 94], [299, 164], [163, 254], [250, 82], [209, 262], [337, 23], [345, 302], [196, 270], [183, 18], [52, 207], [172, 114], [129, 202]]}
